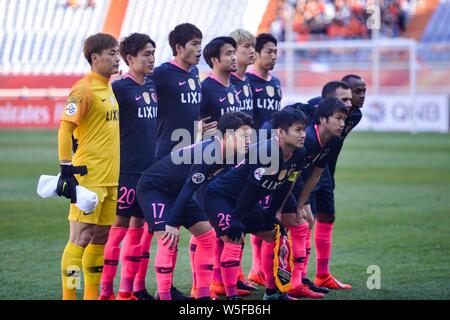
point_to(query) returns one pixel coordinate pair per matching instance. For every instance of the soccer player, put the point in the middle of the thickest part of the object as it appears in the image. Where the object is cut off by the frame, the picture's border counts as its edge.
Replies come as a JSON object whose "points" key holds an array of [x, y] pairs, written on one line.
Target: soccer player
{"points": [[219, 97], [138, 112], [353, 94], [179, 89], [165, 195], [92, 116], [218, 94], [321, 137], [179, 94], [245, 55], [234, 206], [266, 88], [266, 91]]}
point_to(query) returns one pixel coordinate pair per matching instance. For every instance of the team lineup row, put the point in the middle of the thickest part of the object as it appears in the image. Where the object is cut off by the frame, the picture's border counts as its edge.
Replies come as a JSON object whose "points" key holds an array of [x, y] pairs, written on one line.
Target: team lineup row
{"points": [[283, 181]]}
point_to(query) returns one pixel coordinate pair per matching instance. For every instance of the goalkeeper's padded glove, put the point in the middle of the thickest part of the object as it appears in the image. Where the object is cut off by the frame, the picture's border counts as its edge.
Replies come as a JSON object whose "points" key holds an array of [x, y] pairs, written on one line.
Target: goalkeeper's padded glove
{"points": [[67, 182]]}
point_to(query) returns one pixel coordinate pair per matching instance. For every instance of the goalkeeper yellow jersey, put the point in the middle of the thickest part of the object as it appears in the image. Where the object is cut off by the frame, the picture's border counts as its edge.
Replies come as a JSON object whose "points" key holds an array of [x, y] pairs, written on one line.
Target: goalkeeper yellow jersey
{"points": [[92, 106]]}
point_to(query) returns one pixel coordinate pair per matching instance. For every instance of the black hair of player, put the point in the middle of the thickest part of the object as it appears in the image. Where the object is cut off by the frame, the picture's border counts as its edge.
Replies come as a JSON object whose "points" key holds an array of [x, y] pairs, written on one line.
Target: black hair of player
{"points": [[182, 34], [134, 43], [327, 107], [97, 43], [233, 121], [329, 89], [212, 49], [350, 77], [262, 39], [287, 117]]}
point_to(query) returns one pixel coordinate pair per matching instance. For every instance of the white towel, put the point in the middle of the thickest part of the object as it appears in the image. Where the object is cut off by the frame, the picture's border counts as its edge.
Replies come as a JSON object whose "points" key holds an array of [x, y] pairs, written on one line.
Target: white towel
{"points": [[86, 199]]}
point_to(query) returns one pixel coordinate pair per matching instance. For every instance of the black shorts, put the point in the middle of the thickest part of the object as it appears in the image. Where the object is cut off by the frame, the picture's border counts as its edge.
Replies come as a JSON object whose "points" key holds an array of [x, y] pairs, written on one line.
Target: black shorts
{"points": [[219, 212], [322, 198], [127, 204], [157, 207]]}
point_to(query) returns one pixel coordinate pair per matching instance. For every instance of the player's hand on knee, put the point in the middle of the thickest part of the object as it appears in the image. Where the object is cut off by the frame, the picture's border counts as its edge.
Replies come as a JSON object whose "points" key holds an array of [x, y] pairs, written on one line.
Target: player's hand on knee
{"points": [[67, 182], [236, 231], [171, 237]]}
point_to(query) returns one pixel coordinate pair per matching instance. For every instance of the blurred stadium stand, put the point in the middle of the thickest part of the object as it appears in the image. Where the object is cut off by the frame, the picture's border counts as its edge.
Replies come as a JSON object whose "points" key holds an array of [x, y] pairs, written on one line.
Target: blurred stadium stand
{"points": [[41, 42]]}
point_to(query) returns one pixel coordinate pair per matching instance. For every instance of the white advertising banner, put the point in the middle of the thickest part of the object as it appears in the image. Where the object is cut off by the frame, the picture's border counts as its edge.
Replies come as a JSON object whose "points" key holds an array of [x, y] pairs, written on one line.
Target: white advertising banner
{"points": [[395, 112]]}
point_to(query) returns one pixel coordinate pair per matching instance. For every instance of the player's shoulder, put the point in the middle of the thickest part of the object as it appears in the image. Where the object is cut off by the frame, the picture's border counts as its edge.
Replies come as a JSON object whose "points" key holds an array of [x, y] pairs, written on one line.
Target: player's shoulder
{"points": [[82, 88], [275, 80], [208, 81], [121, 84]]}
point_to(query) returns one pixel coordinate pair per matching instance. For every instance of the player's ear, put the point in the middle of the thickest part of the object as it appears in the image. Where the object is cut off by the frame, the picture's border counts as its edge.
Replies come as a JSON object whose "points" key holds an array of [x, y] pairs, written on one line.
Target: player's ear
{"points": [[129, 57], [179, 48]]}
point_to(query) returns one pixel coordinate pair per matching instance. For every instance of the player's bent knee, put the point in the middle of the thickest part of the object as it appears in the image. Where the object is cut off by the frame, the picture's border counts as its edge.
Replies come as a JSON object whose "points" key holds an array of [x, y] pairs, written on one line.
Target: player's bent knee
{"points": [[122, 222], [326, 217], [100, 235], [268, 236], [200, 228], [228, 240], [289, 219], [135, 222], [81, 233]]}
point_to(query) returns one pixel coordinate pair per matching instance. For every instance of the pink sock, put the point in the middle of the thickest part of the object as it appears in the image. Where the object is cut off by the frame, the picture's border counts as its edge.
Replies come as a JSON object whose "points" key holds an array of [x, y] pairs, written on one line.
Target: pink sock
{"points": [[203, 262], [217, 270], [256, 253], [298, 235], [323, 235], [229, 262], [164, 270], [308, 253], [241, 273], [139, 279], [112, 254], [174, 261], [192, 250], [131, 258], [267, 256]]}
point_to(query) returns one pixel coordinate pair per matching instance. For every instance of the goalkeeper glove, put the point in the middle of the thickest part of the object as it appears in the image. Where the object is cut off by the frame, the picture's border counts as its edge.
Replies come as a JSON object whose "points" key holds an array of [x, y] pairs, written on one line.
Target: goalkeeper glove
{"points": [[67, 182]]}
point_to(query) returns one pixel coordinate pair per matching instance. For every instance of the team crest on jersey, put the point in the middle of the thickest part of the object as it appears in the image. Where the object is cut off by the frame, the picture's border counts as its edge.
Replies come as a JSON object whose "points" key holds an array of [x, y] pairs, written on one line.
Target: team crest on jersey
{"points": [[191, 83], [270, 91], [230, 98], [112, 100], [198, 178], [146, 97], [154, 97], [246, 91], [71, 109], [259, 173], [282, 174]]}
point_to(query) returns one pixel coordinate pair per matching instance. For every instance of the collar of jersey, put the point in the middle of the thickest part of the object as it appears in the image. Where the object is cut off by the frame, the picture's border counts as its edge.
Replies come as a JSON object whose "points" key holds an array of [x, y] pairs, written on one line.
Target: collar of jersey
{"points": [[99, 78]]}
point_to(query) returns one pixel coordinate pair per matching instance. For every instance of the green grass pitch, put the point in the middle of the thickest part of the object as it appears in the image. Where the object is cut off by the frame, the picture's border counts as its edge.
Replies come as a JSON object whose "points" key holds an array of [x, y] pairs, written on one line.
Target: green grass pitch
{"points": [[393, 211]]}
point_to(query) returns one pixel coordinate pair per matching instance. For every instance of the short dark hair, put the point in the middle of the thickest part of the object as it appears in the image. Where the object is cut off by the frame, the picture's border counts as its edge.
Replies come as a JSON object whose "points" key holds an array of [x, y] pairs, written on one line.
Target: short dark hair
{"points": [[233, 121], [262, 39], [327, 107], [97, 43], [134, 43], [212, 49], [329, 89], [182, 34], [349, 77], [287, 117]]}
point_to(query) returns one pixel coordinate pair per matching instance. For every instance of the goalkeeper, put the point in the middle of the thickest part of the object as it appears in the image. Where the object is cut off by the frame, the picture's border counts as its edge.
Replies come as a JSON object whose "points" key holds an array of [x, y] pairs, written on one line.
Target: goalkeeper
{"points": [[92, 117]]}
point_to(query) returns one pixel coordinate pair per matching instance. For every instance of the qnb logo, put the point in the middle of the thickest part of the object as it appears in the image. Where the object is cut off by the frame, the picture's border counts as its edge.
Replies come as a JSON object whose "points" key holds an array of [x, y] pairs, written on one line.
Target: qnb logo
{"points": [[374, 280], [376, 112]]}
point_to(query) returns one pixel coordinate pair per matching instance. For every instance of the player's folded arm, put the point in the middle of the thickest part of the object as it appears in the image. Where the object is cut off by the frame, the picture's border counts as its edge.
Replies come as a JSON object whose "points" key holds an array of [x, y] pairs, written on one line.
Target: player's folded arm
{"points": [[197, 176]]}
